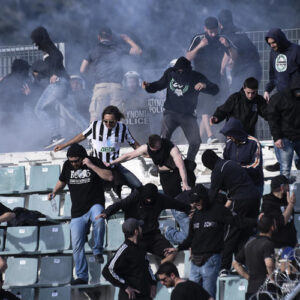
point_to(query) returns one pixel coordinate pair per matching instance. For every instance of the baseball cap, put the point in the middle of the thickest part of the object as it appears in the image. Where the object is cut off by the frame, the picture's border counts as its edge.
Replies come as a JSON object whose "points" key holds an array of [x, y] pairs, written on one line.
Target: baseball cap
{"points": [[131, 224], [277, 181]]}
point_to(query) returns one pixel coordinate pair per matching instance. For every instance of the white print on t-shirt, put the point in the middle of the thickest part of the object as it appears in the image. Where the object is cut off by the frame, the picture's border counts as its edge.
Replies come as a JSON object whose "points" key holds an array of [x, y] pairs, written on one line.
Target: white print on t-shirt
{"points": [[281, 63], [178, 89], [80, 176], [209, 224]]}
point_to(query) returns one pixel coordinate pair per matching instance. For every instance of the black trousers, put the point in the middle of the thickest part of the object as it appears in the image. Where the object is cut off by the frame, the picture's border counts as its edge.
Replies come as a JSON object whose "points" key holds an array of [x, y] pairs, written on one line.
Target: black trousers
{"points": [[189, 125]]}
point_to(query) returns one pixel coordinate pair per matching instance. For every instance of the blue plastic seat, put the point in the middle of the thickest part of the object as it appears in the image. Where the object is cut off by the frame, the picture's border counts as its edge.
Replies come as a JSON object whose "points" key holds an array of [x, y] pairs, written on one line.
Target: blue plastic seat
{"points": [[12, 202], [43, 205], [115, 236], [12, 180], [57, 293]]}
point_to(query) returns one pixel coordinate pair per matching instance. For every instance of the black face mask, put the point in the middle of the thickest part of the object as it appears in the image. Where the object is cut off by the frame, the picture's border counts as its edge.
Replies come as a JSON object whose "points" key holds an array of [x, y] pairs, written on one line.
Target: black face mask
{"points": [[149, 204]]}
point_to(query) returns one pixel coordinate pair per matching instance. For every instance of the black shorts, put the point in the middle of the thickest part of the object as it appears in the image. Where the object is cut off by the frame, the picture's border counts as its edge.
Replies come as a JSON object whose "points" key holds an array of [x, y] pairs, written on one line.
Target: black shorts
{"points": [[155, 243]]}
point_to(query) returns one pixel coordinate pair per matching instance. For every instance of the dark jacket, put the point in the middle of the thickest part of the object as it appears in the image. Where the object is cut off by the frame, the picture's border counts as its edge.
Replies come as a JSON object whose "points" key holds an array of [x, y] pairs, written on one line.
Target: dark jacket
{"points": [[239, 107], [283, 63], [286, 234], [247, 151], [181, 94], [283, 114], [135, 207], [130, 267]]}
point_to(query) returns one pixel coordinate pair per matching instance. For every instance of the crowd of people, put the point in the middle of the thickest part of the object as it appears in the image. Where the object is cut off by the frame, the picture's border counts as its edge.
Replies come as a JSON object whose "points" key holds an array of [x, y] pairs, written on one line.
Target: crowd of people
{"points": [[232, 216]]}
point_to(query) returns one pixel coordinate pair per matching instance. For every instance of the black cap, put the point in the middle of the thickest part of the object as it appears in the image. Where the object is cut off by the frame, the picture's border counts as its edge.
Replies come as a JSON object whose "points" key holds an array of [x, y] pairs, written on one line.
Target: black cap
{"points": [[130, 225], [277, 181]]}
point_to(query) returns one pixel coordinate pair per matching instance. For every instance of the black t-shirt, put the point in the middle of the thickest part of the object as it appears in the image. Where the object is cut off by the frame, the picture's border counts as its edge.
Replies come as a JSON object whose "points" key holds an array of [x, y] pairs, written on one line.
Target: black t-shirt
{"points": [[189, 290], [253, 255], [86, 187], [5, 295], [4, 209]]}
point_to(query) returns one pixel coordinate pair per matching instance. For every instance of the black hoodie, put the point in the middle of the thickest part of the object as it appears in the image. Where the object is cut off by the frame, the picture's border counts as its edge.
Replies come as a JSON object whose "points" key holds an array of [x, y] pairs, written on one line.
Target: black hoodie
{"points": [[283, 62], [54, 60], [181, 94]]}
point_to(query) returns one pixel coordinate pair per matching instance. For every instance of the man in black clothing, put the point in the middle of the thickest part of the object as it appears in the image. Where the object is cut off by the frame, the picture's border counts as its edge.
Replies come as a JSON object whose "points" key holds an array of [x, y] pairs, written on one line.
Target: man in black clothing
{"points": [[243, 199], [257, 255], [279, 205], [104, 64], [129, 268], [146, 203], [168, 275], [183, 87], [244, 105], [84, 176]]}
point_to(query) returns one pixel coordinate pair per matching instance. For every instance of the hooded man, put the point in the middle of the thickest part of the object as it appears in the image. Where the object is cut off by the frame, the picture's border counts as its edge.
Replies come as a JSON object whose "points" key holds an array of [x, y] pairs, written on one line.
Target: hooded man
{"points": [[245, 150], [284, 122], [47, 107], [84, 176], [243, 198], [183, 86], [284, 61], [279, 205], [146, 204]]}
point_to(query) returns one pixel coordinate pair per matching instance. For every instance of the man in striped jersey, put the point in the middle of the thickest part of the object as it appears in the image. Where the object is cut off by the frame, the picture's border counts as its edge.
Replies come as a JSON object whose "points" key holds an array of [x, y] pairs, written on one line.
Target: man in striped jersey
{"points": [[106, 136], [129, 268]]}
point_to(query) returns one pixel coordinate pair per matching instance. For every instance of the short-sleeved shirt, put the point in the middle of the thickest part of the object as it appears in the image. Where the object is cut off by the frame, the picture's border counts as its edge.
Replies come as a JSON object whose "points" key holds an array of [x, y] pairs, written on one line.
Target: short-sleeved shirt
{"points": [[86, 187], [106, 143], [253, 255], [189, 290], [4, 209]]}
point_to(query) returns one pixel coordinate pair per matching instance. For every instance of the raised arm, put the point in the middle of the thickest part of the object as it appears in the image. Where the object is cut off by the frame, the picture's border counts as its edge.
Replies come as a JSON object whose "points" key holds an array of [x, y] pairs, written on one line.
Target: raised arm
{"points": [[77, 139], [197, 44], [102, 173], [135, 48]]}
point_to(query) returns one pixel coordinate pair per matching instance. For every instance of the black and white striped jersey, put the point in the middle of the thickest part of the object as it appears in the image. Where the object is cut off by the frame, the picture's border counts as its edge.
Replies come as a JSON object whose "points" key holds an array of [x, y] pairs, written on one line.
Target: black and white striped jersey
{"points": [[106, 142]]}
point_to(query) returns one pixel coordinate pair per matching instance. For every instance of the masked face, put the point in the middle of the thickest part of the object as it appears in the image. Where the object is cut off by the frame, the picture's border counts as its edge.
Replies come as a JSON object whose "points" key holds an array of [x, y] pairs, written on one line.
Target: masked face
{"points": [[149, 202]]}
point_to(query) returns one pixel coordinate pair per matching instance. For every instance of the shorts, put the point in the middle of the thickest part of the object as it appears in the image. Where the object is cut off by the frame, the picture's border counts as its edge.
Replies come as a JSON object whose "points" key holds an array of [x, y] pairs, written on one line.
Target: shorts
{"points": [[155, 243], [207, 104]]}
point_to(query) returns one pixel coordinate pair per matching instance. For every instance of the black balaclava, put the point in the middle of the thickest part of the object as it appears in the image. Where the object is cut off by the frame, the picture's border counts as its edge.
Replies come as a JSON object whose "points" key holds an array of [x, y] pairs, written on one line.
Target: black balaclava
{"points": [[183, 63], [209, 159], [148, 191], [77, 150], [226, 20]]}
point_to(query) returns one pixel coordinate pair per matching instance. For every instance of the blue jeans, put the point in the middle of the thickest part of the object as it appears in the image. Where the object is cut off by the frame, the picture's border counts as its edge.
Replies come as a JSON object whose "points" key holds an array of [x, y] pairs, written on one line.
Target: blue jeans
{"points": [[79, 227], [132, 180], [285, 155], [47, 106], [178, 236], [208, 272]]}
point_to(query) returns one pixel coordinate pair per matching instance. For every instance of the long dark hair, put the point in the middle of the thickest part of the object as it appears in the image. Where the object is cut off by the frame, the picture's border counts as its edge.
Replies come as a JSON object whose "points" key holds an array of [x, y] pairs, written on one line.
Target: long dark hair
{"points": [[113, 110]]}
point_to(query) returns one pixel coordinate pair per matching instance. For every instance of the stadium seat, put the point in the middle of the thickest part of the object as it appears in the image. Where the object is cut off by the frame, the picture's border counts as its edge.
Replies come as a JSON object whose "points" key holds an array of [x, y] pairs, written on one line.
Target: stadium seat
{"points": [[162, 293], [43, 178], [95, 270], [21, 271], [1, 239], [12, 180], [41, 203], [67, 207], [24, 293], [54, 238], [55, 270], [12, 202], [267, 189], [21, 239], [231, 287], [57, 293], [115, 236]]}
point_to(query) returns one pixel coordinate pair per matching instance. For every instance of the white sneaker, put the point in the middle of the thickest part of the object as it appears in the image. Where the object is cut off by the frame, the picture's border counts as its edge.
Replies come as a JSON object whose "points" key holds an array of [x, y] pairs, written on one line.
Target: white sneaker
{"points": [[212, 140]]}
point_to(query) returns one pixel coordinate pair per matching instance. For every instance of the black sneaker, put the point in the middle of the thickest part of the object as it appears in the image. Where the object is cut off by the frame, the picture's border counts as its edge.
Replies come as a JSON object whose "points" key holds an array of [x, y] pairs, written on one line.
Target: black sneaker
{"points": [[78, 281], [273, 168], [99, 258], [55, 140]]}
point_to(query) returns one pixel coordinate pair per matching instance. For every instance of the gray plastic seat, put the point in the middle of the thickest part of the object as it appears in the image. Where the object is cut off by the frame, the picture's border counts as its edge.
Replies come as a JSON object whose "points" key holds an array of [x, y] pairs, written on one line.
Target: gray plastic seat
{"points": [[231, 287], [162, 293], [54, 238], [95, 270], [43, 178], [24, 293], [12, 180], [21, 271], [12, 202], [55, 270], [1, 239], [67, 207], [21, 239], [57, 293], [43, 205], [115, 236]]}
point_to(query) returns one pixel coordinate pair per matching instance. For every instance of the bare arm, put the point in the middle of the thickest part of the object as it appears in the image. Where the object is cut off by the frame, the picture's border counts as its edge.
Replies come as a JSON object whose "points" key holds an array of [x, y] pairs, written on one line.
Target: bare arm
{"points": [[142, 150], [190, 55], [240, 269], [291, 199], [58, 187], [102, 173], [135, 48], [269, 265], [77, 139], [84, 66], [7, 217], [176, 155]]}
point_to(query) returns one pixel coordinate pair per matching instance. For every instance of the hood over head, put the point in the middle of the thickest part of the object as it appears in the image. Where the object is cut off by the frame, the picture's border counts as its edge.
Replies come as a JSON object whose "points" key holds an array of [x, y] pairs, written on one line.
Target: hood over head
{"points": [[183, 63], [148, 191], [234, 128], [226, 20], [280, 38], [209, 159], [200, 192]]}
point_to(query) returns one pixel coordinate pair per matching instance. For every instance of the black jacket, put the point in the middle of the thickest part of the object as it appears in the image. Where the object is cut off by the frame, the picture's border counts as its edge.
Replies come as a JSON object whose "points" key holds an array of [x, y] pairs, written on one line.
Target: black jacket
{"points": [[283, 63], [206, 232], [181, 95], [239, 107], [130, 267], [286, 234], [283, 116], [134, 207]]}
